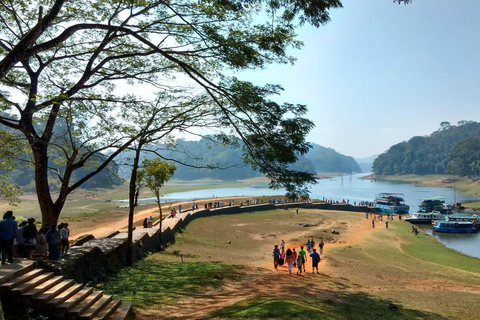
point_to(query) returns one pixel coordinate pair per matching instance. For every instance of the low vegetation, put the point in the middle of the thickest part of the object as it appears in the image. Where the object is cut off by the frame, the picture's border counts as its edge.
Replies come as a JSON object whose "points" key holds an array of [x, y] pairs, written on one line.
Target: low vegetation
{"points": [[220, 267], [156, 281]]}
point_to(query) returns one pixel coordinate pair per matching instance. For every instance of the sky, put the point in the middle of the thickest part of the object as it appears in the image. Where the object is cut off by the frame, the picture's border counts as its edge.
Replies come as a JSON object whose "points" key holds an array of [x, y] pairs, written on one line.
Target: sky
{"points": [[381, 73]]}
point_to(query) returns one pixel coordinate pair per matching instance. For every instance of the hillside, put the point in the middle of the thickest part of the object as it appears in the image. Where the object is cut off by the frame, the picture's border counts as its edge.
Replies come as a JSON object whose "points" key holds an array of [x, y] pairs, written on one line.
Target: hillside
{"points": [[206, 154], [429, 154]]}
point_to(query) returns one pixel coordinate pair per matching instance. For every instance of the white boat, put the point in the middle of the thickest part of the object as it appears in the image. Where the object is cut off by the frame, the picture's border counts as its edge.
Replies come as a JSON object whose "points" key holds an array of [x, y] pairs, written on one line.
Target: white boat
{"points": [[422, 217]]}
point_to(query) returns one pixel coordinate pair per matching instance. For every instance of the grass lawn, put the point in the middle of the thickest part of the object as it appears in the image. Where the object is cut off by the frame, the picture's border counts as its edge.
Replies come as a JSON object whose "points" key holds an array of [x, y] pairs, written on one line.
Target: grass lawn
{"points": [[364, 273]]}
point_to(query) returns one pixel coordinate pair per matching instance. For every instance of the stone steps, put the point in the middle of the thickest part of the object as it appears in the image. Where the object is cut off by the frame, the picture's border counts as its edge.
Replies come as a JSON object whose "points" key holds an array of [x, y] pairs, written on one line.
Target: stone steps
{"points": [[41, 288], [59, 298]]}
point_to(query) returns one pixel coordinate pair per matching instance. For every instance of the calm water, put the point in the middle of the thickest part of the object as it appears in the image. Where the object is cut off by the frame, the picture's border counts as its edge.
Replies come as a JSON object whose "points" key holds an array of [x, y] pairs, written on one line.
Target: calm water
{"points": [[353, 189]]}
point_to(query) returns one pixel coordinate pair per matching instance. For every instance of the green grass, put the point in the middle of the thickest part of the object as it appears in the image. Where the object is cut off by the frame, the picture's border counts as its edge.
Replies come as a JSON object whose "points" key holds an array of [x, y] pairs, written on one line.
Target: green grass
{"points": [[359, 281], [153, 282], [429, 249]]}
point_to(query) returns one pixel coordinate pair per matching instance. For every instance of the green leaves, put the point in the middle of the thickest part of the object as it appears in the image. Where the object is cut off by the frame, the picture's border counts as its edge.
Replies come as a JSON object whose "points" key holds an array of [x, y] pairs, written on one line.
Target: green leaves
{"points": [[465, 158], [113, 73], [155, 173]]}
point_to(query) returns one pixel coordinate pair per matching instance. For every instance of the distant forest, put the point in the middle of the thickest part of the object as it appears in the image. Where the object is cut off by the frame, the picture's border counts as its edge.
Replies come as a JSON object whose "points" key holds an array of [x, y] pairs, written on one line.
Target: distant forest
{"points": [[453, 149], [204, 153]]}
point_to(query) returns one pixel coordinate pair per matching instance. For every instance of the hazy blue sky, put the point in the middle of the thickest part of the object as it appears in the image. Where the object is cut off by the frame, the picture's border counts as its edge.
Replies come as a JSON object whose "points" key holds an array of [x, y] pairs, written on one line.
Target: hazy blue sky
{"points": [[380, 73]]}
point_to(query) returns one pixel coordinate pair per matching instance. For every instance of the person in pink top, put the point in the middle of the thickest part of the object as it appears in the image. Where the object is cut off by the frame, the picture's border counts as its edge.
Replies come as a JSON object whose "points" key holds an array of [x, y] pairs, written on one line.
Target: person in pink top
{"points": [[290, 260]]}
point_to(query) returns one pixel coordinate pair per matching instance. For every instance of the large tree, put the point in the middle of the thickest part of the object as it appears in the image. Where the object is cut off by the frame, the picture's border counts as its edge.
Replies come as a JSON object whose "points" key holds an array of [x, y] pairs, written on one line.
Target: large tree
{"points": [[64, 60]]}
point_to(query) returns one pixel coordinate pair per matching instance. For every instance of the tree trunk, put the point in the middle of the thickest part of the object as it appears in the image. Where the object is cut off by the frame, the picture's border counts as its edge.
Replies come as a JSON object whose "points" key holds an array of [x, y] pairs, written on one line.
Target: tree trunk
{"points": [[48, 209], [131, 197], [161, 220]]}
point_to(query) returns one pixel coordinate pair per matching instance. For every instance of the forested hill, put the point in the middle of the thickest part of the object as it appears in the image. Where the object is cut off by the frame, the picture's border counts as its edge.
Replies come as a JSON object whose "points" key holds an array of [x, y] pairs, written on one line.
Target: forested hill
{"points": [[205, 153], [439, 153], [321, 159]]}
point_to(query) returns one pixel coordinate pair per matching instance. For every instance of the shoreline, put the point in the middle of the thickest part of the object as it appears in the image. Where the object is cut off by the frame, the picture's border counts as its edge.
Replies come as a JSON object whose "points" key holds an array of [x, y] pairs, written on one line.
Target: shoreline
{"points": [[463, 185]]}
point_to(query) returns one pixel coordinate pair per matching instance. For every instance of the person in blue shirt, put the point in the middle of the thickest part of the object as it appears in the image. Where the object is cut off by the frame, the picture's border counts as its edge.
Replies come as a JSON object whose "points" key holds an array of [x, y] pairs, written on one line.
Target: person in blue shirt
{"points": [[315, 260], [8, 230], [276, 256]]}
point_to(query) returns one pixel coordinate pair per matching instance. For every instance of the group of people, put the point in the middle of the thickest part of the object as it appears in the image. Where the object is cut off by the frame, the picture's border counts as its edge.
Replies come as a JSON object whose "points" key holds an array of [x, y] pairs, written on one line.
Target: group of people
{"points": [[291, 258], [22, 240], [148, 222], [414, 230]]}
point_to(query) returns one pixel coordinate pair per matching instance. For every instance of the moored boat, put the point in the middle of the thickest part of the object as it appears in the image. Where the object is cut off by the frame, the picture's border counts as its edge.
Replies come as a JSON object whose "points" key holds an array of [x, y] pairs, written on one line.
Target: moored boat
{"points": [[455, 226], [422, 217], [391, 203], [435, 204]]}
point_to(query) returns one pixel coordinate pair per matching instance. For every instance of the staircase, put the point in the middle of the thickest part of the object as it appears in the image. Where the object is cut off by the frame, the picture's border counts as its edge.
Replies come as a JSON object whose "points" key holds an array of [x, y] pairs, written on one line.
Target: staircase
{"points": [[56, 297]]}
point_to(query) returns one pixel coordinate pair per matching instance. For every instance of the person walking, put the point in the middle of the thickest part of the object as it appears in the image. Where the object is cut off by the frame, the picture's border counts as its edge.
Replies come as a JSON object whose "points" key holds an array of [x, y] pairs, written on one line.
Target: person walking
{"points": [[8, 231], [42, 243], [315, 260], [373, 223], [30, 237], [386, 224], [308, 245], [64, 234], [295, 255], [19, 243], [276, 256], [320, 246], [290, 259], [303, 255], [299, 265], [281, 261], [282, 245], [53, 235], [312, 243]]}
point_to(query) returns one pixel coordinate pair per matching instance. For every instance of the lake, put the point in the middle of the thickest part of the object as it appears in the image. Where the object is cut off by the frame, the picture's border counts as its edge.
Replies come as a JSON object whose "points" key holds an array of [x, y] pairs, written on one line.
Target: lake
{"points": [[353, 189]]}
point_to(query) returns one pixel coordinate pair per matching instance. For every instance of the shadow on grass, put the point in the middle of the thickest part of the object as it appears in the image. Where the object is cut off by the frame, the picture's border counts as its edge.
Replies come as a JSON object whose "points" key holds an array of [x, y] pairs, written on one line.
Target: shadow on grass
{"points": [[336, 306], [151, 283]]}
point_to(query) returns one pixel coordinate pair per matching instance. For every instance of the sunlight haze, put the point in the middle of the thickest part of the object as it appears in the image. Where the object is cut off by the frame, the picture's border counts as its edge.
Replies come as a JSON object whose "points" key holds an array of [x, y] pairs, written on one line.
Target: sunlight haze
{"points": [[380, 73]]}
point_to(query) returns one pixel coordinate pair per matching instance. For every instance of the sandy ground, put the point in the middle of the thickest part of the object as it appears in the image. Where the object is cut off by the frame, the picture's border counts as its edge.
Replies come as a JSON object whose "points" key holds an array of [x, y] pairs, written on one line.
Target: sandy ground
{"points": [[262, 279], [105, 224], [108, 227]]}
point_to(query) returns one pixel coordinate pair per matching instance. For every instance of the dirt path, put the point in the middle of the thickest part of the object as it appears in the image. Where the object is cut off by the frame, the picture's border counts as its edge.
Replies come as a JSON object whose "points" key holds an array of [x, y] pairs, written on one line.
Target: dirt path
{"points": [[108, 227], [264, 280], [105, 226]]}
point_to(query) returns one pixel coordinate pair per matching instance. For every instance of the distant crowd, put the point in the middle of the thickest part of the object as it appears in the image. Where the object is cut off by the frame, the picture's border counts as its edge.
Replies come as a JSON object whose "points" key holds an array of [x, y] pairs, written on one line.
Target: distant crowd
{"points": [[297, 259], [347, 201], [24, 240]]}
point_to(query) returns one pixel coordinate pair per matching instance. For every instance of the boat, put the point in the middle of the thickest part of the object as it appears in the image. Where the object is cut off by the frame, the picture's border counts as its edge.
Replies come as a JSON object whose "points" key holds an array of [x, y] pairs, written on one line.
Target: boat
{"points": [[450, 226], [391, 203], [464, 217], [435, 204], [422, 217]]}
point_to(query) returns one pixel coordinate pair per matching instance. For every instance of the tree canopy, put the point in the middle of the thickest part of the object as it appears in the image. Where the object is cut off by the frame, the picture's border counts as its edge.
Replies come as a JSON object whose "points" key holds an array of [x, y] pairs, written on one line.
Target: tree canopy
{"points": [[465, 158], [430, 154], [89, 67]]}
